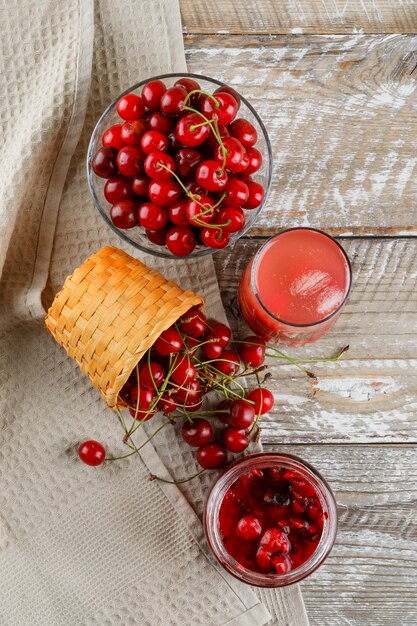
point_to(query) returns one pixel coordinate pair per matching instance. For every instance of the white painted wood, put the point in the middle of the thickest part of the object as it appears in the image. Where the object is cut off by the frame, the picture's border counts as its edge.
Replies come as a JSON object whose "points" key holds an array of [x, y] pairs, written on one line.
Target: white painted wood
{"points": [[341, 115]]}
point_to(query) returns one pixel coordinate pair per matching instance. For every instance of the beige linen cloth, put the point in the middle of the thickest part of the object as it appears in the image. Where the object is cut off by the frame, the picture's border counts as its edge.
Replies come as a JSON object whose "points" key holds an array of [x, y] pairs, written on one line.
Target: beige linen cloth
{"points": [[83, 546]]}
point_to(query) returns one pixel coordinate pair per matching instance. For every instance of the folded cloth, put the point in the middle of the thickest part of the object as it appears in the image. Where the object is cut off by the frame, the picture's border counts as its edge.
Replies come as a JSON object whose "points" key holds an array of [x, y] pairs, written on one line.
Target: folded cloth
{"points": [[78, 545]]}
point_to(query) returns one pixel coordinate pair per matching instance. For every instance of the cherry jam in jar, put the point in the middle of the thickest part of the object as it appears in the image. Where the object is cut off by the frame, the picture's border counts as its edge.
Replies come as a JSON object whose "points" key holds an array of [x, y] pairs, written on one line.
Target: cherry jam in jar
{"points": [[270, 519]]}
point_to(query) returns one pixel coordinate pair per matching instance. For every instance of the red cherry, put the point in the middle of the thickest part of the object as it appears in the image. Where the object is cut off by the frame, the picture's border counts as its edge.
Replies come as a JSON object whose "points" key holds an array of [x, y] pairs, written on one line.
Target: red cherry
{"points": [[190, 131], [173, 142], [159, 166], [178, 213], [118, 188], [111, 137], [152, 93], [223, 107], [244, 131], [140, 185], [242, 414], [198, 432], [228, 363], [256, 195], [210, 177], [152, 141], [187, 83], [186, 162], [91, 452], [234, 153], [189, 393], [168, 342], [252, 350], [131, 132], [237, 192], [235, 440], [152, 216], [183, 369], [142, 415], [263, 399], [227, 89], [124, 214], [232, 219], [172, 101], [158, 237], [103, 162], [212, 350], [192, 186], [181, 240], [215, 237], [212, 141], [198, 215], [255, 160], [164, 192], [211, 456], [274, 540], [130, 161], [130, 107], [243, 165], [218, 331], [159, 122], [151, 375], [166, 403], [193, 323], [249, 528]]}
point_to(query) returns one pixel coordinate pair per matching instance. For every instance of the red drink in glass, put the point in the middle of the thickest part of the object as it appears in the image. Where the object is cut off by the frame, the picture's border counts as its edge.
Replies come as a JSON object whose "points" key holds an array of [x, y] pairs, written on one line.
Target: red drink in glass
{"points": [[294, 288]]}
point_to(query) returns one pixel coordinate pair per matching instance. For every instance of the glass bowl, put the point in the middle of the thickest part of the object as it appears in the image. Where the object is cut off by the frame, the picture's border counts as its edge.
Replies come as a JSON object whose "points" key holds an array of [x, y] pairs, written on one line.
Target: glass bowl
{"points": [[260, 461], [136, 236]]}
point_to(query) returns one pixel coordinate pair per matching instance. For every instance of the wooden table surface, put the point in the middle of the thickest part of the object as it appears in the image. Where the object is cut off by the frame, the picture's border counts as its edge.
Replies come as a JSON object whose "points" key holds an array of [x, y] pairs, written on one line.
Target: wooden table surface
{"points": [[335, 83]]}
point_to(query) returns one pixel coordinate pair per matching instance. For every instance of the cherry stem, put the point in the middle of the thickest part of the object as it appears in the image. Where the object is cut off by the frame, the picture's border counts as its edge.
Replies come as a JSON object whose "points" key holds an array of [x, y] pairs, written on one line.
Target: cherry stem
{"points": [[193, 127], [176, 482], [137, 449], [206, 93]]}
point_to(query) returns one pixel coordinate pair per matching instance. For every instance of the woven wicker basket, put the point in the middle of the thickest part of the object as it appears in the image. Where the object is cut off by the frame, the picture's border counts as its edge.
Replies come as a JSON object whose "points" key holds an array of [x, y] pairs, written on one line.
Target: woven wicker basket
{"points": [[109, 312]]}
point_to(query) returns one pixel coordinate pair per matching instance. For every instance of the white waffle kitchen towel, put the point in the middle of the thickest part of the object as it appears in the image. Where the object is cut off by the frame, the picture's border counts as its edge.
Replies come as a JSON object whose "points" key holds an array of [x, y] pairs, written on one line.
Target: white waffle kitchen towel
{"points": [[82, 546]]}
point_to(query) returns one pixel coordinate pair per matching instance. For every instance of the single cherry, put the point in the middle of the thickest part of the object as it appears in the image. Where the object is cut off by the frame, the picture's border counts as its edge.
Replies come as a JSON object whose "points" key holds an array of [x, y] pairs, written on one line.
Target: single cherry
{"points": [[234, 153], [198, 432], [255, 160], [211, 456], [252, 350], [103, 162], [158, 237], [181, 240], [111, 137], [249, 528], [130, 161], [187, 83], [172, 101], [189, 393], [152, 216], [118, 188], [235, 440], [227, 89], [178, 212], [244, 131], [123, 214], [210, 176], [183, 369], [191, 130], [198, 215], [168, 342], [152, 93], [242, 414], [151, 375], [215, 237], [237, 192], [232, 219], [228, 363], [91, 452], [256, 195], [186, 162], [263, 399], [193, 323], [164, 192], [130, 107], [131, 132], [140, 185], [159, 122], [159, 166], [153, 141], [222, 107]]}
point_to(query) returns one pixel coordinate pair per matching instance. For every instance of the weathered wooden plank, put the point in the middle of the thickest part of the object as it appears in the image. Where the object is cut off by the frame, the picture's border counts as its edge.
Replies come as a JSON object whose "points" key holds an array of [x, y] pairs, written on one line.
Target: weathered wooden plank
{"points": [[298, 16], [341, 115], [370, 577], [371, 395]]}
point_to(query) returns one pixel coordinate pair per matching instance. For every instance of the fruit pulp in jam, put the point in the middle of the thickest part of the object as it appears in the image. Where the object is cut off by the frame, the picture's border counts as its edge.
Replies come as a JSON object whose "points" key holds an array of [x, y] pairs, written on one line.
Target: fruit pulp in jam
{"points": [[271, 520]]}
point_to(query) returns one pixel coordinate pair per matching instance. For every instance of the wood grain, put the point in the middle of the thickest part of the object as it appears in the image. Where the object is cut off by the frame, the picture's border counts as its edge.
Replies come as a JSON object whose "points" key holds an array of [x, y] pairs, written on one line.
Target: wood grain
{"points": [[298, 16], [370, 578], [370, 395], [341, 115]]}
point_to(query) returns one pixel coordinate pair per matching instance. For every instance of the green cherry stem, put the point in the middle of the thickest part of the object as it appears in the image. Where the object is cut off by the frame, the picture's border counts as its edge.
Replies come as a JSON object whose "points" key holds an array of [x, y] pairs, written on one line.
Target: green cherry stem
{"points": [[205, 93], [175, 482]]}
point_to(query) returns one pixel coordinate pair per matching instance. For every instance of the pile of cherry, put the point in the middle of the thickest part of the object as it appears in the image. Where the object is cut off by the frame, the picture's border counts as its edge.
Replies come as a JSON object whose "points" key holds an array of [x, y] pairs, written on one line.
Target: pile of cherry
{"points": [[180, 165], [189, 360]]}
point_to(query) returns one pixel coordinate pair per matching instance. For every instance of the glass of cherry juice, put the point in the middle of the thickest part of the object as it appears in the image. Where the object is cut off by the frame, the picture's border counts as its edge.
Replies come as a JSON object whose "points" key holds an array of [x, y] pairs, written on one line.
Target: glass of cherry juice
{"points": [[294, 288], [270, 519]]}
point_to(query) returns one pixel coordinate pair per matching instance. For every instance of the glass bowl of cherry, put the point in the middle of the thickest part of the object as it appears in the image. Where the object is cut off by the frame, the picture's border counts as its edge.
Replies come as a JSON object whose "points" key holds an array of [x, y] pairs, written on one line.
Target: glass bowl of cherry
{"points": [[179, 165], [270, 519]]}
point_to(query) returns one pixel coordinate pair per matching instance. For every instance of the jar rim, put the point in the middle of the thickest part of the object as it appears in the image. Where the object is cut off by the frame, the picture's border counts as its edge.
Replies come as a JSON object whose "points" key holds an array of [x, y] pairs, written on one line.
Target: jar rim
{"points": [[262, 460]]}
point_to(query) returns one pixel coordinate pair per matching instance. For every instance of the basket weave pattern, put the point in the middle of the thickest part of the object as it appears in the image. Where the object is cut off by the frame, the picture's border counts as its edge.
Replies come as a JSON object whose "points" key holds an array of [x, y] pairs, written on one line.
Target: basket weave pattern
{"points": [[109, 312]]}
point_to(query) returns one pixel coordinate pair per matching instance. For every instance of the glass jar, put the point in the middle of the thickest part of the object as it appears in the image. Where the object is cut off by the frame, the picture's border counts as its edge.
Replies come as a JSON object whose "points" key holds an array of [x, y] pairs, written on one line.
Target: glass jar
{"points": [[262, 461]]}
